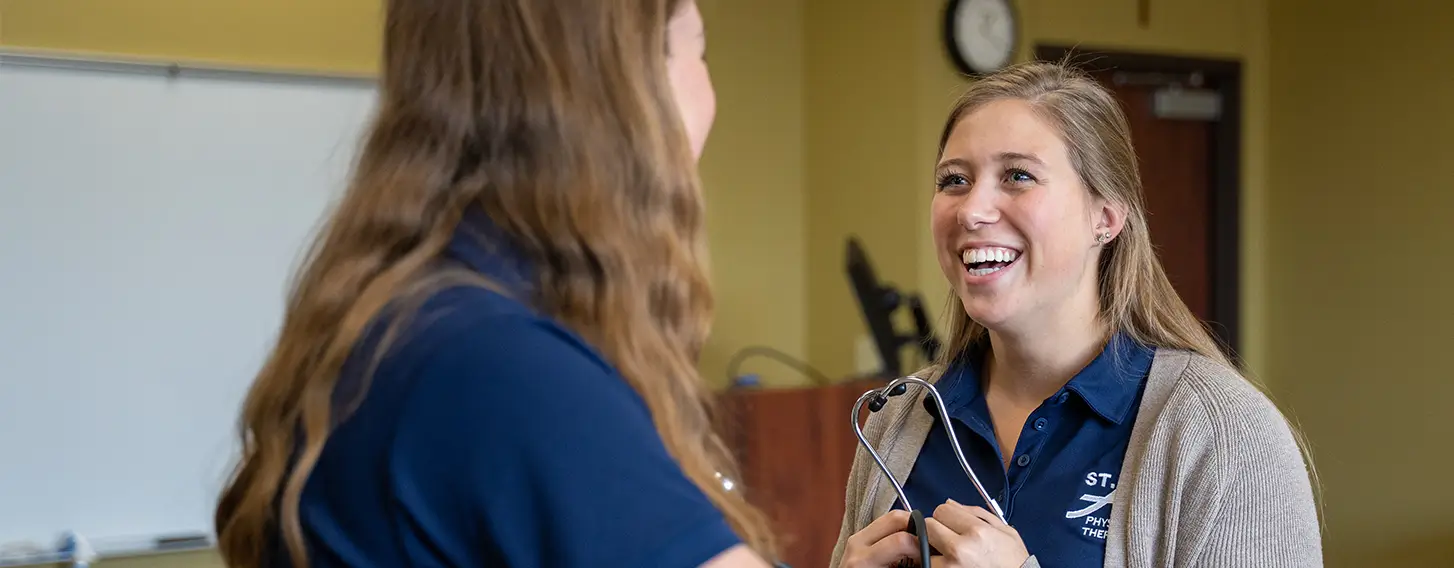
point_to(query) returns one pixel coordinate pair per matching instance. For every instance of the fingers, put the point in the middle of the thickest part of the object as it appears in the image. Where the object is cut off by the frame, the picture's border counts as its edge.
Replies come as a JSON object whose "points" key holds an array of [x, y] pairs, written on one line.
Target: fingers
{"points": [[890, 550], [890, 523], [883, 542], [983, 514], [963, 518], [941, 537]]}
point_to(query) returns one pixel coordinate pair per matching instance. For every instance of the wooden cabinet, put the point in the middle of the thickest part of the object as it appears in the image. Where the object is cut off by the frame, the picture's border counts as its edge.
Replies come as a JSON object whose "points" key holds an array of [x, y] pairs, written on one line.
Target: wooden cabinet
{"points": [[796, 447]]}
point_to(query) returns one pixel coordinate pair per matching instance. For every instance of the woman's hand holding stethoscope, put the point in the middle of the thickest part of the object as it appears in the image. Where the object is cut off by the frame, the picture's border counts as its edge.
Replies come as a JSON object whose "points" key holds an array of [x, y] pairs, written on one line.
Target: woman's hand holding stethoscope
{"points": [[972, 537], [956, 535], [963, 536], [884, 543]]}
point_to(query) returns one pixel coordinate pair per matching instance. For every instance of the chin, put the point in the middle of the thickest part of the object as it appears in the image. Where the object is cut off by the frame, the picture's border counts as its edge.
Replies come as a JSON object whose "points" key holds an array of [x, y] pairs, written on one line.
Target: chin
{"points": [[988, 312]]}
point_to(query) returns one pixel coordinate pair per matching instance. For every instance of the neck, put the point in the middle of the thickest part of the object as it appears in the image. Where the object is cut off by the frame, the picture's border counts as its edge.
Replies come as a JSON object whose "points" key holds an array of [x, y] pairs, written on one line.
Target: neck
{"points": [[1030, 366]]}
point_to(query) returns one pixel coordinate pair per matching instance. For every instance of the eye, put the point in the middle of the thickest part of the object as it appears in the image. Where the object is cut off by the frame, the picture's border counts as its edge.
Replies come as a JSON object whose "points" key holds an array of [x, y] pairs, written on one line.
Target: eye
{"points": [[950, 180], [1017, 175]]}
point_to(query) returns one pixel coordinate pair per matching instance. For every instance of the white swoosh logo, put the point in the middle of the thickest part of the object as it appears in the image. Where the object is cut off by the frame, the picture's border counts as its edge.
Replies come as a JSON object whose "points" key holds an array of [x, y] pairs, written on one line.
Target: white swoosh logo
{"points": [[1097, 503]]}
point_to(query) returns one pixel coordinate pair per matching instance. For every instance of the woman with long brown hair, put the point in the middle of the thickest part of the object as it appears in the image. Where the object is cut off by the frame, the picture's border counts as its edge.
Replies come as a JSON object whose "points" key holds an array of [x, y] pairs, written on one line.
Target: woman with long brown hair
{"points": [[489, 358], [1103, 420]]}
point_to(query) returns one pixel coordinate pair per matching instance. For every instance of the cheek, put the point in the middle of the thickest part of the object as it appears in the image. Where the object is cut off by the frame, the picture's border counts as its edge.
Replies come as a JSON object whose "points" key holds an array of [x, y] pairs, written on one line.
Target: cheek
{"points": [[706, 95], [943, 222], [692, 86], [1053, 227], [945, 228]]}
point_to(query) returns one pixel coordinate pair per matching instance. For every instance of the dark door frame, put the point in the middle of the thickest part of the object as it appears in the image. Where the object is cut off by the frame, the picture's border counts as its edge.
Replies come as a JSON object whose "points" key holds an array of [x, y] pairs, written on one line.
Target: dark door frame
{"points": [[1225, 77]]}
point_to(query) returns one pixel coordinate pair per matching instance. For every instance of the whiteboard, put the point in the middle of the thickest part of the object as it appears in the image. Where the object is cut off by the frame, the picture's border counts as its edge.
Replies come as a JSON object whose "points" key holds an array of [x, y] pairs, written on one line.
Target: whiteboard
{"points": [[149, 229]]}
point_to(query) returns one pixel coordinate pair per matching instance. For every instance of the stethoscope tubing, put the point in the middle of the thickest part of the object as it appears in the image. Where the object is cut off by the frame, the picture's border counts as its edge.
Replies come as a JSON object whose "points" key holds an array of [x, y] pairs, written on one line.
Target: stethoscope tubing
{"points": [[876, 398]]}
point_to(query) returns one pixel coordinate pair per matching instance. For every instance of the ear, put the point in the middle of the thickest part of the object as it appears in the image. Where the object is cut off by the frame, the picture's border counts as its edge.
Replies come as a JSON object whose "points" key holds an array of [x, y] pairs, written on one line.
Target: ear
{"points": [[1110, 218]]}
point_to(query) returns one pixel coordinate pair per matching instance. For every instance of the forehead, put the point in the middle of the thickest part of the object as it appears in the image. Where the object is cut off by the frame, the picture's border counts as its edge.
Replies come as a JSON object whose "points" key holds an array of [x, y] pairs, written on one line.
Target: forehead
{"points": [[1004, 126]]}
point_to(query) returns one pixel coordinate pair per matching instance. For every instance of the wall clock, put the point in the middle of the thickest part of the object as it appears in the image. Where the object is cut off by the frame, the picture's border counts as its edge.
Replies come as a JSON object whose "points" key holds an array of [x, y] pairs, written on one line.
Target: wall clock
{"points": [[981, 34]]}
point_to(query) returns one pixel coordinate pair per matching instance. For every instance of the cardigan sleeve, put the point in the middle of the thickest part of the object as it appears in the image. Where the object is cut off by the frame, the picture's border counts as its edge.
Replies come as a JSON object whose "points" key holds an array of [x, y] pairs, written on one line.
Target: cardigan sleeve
{"points": [[1266, 514]]}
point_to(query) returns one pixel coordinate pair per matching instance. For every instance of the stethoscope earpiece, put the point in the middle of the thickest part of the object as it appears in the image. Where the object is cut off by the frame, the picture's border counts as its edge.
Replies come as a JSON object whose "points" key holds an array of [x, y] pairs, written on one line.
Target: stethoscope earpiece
{"points": [[880, 399]]}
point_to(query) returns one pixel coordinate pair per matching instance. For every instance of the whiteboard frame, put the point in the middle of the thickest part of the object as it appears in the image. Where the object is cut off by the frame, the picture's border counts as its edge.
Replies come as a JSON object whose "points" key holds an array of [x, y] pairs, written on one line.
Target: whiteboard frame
{"points": [[15, 57]]}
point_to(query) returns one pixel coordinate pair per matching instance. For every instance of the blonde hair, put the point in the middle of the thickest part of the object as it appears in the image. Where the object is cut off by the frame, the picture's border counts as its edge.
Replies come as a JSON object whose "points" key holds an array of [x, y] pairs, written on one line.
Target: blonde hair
{"points": [[1136, 297], [576, 150]]}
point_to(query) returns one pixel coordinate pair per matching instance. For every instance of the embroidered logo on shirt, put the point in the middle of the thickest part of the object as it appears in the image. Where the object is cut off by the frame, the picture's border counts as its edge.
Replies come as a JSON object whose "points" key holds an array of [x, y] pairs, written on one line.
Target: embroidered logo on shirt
{"points": [[1095, 525]]}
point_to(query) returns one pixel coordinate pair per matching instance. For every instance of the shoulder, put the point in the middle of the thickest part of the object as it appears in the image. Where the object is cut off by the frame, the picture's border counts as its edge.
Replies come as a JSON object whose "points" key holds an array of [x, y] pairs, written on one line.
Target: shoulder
{"points": [[1217, 432], [1213, 454], [1216, 405], [476, 325], [476, 350], [467, 360], [469, 345]]}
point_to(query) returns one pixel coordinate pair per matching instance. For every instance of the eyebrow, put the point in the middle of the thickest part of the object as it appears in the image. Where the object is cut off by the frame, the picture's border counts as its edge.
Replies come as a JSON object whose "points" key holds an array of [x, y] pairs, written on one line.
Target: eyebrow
{"points": [[1002, 157], [1016, 156]]}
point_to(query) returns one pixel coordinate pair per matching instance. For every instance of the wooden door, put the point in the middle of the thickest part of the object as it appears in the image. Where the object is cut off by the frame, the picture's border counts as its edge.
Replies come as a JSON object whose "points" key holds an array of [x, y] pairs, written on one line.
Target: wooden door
{"points": [[1174, 157]]}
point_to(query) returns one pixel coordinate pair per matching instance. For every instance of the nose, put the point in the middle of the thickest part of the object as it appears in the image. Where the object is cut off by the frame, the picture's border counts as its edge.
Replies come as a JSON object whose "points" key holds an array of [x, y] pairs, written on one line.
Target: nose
{"points": [[979, 208]]}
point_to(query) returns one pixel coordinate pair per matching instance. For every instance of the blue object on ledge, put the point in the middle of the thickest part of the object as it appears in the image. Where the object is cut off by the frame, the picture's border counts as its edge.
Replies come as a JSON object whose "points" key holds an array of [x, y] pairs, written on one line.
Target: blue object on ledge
{"points": [[746, 381]]}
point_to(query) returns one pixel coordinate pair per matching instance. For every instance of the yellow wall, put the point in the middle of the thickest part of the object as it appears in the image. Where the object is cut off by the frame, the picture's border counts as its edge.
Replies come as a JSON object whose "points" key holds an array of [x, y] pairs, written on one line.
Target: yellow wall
{"points": [[1359, 277], [755, 195], [333, 35], [862, 160]]}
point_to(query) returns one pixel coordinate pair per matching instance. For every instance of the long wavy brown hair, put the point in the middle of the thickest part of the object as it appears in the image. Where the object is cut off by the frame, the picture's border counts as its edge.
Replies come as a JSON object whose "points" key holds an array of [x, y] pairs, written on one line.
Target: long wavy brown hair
{"points": [[557, 120]]}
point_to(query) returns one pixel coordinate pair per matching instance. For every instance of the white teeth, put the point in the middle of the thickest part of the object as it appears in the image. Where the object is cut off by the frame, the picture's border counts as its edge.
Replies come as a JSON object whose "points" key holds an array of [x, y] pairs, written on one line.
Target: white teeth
{"points": [[988, 254]]}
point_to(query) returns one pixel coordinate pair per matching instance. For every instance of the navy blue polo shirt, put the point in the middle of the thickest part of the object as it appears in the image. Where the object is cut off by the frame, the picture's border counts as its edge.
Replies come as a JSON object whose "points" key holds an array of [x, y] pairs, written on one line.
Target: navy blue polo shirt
{"points": [[1067, 461], [491, 435]]}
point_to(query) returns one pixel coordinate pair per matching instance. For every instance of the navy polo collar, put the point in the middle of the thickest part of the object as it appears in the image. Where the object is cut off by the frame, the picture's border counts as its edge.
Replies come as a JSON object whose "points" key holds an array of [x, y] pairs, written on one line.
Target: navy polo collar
{"points": [[1108, 384], [484, 247]]}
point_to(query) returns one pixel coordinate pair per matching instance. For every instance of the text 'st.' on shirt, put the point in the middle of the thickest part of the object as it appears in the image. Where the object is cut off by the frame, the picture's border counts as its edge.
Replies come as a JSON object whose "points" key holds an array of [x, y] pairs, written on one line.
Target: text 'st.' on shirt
{"points": [[492, 436]]}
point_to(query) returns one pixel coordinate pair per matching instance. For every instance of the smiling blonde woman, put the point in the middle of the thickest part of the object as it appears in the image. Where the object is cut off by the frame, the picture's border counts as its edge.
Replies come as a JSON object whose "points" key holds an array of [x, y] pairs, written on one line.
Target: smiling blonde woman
{"points": [[1101, 415]]}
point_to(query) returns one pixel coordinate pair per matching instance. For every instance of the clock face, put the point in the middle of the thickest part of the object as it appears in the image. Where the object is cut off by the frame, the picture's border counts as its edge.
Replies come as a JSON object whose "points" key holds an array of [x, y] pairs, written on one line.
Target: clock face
{"points": [[982, 33]]}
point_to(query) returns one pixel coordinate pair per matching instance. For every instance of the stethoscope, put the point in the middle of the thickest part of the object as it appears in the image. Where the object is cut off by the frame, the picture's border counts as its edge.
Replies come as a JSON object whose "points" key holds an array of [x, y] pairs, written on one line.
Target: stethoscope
{"points": [[876, 399]]}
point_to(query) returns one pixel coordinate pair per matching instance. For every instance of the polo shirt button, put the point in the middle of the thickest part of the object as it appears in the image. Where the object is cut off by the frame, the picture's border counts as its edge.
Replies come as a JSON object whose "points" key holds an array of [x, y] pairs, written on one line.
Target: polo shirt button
{"points": [[1040, 423], [1023, 461], [1062, 398]]}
